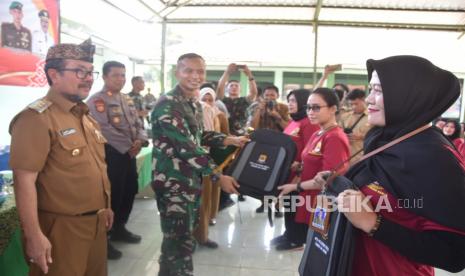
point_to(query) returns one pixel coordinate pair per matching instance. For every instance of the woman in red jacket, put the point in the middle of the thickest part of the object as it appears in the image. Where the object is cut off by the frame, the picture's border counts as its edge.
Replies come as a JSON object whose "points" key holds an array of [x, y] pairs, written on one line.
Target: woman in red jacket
{"points": [[326, 149], [300, 129]]}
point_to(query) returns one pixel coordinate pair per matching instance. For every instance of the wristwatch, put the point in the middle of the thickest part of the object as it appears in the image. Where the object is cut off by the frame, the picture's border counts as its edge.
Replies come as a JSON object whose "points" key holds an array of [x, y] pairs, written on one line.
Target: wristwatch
{"points": [[215, 177]]}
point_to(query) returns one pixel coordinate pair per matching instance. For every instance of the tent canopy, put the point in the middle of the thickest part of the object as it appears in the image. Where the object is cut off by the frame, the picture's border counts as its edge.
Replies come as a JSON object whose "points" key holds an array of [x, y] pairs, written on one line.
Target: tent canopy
{"points": [[274, 32]]}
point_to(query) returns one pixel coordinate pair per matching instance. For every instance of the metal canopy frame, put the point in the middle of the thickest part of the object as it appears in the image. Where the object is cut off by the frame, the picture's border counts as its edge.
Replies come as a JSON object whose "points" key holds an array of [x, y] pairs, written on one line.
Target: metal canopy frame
{"points": [[165, 12]]}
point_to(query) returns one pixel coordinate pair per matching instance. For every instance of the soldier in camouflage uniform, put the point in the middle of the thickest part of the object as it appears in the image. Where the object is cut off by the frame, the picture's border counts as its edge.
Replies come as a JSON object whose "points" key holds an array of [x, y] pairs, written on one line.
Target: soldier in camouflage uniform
{"points": [[236, 105], [138, 85], [179, 162]]}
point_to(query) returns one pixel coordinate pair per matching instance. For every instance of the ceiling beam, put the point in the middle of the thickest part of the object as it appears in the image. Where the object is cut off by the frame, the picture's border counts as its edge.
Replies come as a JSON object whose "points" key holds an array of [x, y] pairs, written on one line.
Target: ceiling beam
{"points": [[316, 14], [383, 25], [121, 10], [150, 9], [252, 5], [177, 7]]}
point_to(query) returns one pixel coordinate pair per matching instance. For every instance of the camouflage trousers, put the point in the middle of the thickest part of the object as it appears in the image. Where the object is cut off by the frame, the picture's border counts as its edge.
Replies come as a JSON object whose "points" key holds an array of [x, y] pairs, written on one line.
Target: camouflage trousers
{"points": [[178, 219]]}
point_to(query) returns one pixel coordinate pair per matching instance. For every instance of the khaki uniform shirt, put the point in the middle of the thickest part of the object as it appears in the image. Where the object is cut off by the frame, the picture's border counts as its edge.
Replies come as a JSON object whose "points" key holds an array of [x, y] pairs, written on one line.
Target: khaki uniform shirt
{"points": [[347, 120], [63, 143]]}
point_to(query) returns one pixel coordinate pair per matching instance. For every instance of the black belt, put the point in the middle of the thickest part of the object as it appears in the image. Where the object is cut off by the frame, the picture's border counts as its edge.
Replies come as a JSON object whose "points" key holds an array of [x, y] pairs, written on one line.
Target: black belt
{"points": [[90, 213]]}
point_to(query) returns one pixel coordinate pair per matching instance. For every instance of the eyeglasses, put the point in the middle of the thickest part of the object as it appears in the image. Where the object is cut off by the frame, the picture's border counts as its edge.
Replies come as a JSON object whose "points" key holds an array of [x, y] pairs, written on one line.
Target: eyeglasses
{"points": [[82, 74], [315, 107]]}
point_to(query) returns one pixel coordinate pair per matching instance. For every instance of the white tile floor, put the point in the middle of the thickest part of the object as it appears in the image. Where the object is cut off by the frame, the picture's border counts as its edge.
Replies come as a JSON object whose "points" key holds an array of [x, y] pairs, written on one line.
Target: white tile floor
{"points": [[244, 248]]}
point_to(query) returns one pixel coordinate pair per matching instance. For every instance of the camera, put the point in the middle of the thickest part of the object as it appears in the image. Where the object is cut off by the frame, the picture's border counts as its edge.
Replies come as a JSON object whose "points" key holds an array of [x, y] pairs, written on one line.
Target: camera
{"points": [[270, 105], [347, 130]]}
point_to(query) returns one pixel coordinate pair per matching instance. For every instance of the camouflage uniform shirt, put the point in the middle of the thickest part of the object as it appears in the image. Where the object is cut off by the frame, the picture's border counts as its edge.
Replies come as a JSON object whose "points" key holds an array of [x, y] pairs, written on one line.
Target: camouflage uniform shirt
{"points": [[138, 100], [179, 160], [237, 109]]}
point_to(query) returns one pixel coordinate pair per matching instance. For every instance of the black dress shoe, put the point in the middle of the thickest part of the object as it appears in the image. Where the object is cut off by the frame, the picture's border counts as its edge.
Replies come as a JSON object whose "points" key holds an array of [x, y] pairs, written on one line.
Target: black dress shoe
{"points": [[289, 246], [260, 209], [209, 244], [226, 204], [122, 234], [113, 253], [278, 240]]}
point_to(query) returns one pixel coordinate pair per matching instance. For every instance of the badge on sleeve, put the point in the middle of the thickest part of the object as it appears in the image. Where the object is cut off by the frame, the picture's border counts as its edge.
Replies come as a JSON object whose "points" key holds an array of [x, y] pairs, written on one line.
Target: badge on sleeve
{"points": [[99, 105]]}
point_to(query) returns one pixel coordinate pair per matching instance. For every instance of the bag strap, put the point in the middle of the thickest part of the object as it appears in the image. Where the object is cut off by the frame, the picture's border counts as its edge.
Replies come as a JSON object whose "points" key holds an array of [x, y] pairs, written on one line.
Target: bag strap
{"points": [[380, 149], [392, 143], [356, 122]]}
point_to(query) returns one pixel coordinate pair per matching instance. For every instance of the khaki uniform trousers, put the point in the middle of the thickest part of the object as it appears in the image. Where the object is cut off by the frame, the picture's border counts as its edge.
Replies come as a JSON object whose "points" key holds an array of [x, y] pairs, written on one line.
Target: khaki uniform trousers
{"points": [[210, 200], [79, 245]]}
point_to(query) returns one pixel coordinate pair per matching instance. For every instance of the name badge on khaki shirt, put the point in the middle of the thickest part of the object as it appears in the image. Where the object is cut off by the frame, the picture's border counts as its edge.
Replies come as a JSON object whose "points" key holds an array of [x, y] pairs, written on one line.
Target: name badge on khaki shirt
{"points": [[68, 131]]}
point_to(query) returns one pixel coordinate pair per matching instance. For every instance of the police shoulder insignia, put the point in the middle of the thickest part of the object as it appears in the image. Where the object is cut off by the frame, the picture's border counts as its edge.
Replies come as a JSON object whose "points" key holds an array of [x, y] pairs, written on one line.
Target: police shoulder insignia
{"points": [[40, 105]]}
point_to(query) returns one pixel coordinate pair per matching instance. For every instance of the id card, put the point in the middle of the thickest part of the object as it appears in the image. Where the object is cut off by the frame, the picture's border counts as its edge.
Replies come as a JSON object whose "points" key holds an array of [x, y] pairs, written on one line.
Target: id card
{"points": [[319, 218]]}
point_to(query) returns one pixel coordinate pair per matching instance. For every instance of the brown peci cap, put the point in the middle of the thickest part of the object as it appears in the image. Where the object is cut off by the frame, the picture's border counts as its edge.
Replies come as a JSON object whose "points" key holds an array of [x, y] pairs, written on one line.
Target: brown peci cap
{"points": [[84, 51]]}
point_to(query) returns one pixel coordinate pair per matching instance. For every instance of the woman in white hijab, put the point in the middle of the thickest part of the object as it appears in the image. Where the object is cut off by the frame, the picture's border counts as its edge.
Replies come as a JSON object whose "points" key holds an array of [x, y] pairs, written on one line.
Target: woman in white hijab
{"points": [[210, 193], [210, 111]]}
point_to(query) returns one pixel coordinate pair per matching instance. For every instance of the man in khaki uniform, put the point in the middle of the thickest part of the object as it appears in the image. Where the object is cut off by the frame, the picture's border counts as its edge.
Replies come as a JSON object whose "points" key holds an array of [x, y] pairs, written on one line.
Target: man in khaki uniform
{"points": [[355, 122], [61, 185]]}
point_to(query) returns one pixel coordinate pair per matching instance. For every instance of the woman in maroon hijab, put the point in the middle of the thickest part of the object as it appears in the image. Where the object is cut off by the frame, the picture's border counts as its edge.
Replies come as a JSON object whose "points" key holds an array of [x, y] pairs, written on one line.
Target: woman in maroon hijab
{"points": [[415, 218]]}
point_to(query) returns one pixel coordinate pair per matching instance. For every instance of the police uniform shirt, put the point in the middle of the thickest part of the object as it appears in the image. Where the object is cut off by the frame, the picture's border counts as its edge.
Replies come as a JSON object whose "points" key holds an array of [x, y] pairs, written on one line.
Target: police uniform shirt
{"points": [[60, 140], [117, 116], [14, 38]]}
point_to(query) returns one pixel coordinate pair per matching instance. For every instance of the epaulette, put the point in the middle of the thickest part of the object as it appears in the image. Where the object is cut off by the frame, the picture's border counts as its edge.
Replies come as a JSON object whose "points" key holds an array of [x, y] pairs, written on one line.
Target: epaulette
{"points": [[40, 105]]}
